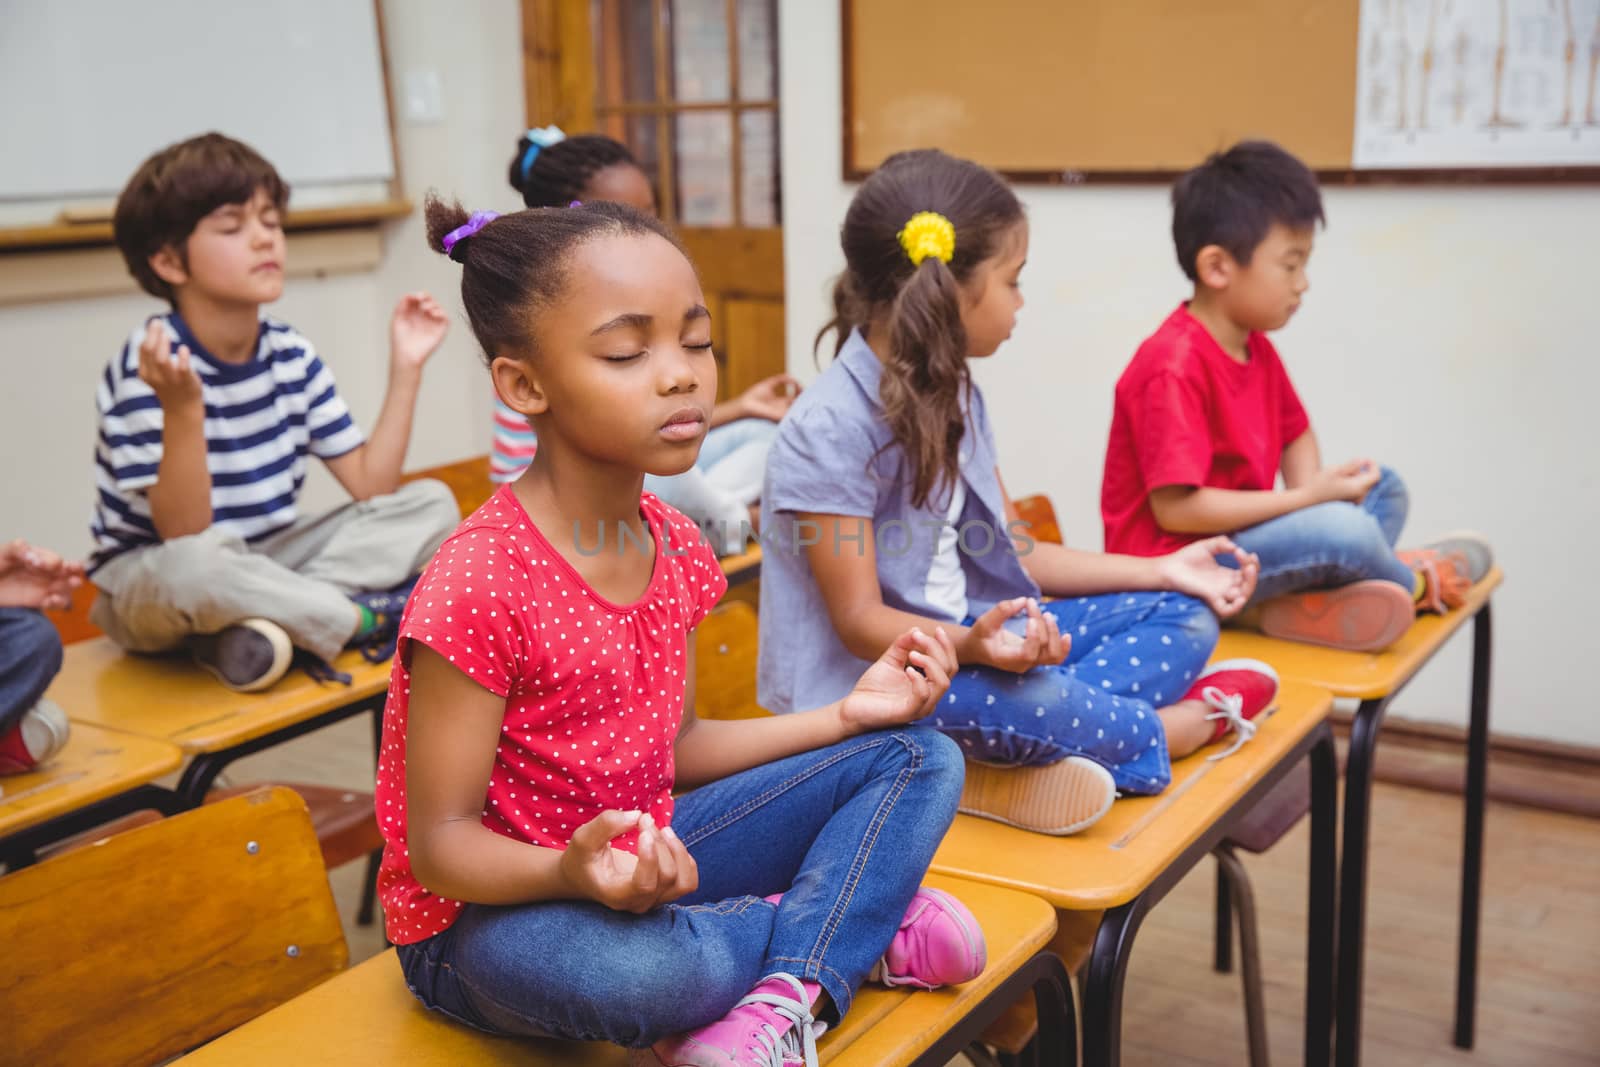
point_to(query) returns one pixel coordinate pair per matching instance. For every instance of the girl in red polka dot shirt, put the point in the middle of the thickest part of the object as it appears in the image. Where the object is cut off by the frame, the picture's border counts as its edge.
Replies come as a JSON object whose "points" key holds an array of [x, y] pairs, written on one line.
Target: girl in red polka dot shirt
{"points": [[540, 877]]}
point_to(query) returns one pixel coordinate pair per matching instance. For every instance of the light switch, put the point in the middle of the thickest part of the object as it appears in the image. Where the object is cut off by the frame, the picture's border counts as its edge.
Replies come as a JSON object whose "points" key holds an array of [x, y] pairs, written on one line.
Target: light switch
{"points": [[424, 97]]}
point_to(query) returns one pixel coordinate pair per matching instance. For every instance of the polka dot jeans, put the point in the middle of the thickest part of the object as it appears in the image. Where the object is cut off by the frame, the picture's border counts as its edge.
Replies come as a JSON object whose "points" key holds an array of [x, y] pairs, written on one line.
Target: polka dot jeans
{"points": [[1131, 653]]}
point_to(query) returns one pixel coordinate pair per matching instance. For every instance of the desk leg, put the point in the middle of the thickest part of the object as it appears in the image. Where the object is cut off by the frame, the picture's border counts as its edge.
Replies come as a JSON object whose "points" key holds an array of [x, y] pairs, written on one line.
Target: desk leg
{"points": [[1472, 833], [1053, 1046], [1056, 1043], [200, 775], [1353, 878], [1222, 952], [1102, 982], [1320, 914]]}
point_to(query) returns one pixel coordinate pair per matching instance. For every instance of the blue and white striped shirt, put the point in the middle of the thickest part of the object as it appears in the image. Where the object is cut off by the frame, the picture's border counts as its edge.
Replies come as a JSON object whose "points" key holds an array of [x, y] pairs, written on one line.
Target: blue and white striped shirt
{"points": [[262, 419]]}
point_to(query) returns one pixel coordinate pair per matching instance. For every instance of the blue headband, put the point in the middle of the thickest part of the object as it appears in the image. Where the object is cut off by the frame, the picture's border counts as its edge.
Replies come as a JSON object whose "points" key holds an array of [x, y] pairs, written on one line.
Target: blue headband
{"points": [[539, 138]]}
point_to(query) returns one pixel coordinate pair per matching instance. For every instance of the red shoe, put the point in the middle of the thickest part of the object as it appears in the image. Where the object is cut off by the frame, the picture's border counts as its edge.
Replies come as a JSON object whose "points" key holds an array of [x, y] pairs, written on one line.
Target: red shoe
{"points": [[40, 734], [1239, 690]]}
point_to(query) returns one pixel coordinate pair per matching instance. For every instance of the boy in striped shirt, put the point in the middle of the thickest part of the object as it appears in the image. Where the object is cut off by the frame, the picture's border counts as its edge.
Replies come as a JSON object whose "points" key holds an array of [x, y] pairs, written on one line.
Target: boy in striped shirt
{"points": [[208, 415]]}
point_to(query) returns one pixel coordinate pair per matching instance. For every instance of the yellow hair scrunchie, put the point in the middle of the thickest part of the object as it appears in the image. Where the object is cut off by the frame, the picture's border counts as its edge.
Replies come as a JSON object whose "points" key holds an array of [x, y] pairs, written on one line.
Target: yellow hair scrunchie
{"points": [[928, 233]]}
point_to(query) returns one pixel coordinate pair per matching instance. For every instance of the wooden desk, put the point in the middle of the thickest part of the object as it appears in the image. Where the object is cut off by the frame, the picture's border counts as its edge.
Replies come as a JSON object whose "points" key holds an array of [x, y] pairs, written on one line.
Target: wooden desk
{"points": [[1375, 679], [367, 1015], [100, 775], [1126, 862], [168, 698]]}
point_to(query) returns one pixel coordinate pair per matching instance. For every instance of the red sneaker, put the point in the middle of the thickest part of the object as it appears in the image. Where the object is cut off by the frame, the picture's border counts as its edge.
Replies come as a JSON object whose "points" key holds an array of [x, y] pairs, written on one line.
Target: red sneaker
{"points": [[1238, 690], [39, 734]]}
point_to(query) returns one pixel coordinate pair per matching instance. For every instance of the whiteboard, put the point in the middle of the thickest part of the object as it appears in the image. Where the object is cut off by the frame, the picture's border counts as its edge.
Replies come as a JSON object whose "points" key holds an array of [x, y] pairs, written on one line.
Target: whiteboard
{"points": [[93, 87]]}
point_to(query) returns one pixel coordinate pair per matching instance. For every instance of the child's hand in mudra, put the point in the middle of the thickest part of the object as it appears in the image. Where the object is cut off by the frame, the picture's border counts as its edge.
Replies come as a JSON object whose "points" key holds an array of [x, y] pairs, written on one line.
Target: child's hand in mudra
{"points": [[904, 685], [1042, 643], [1194, 569], [661, 872]]}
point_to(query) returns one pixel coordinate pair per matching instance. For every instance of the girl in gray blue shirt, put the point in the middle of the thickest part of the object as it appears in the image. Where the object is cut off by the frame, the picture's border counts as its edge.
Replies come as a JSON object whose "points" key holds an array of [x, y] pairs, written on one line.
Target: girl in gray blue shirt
{"points": [[883, 508]]}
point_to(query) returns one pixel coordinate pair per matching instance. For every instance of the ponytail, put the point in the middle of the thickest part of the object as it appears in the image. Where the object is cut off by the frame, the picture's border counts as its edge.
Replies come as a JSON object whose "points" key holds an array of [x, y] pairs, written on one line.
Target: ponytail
{"points": [[925, 378]]}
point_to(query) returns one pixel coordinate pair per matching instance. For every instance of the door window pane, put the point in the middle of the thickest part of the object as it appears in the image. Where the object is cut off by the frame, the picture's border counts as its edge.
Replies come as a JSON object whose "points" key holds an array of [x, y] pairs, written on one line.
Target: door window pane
{"points": [[704, 149], [758, 135], [758, 50], [700, 50]]}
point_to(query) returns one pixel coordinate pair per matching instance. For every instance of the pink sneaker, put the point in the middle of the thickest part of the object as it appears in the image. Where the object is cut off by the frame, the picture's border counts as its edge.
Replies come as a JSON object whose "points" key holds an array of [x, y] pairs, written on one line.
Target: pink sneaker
{"points": [[1238, 690], [39, 734], [939, 943], [772, 1027]]}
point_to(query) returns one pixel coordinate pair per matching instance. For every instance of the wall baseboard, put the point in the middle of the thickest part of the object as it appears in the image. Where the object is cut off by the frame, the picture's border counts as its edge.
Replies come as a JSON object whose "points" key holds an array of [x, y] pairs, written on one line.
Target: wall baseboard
{"points": [[1548, 775]]}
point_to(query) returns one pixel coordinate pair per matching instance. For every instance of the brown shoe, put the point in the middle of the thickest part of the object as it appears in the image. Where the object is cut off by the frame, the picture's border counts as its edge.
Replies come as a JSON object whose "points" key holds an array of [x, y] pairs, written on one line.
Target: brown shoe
{"points": [[1057, 798]]}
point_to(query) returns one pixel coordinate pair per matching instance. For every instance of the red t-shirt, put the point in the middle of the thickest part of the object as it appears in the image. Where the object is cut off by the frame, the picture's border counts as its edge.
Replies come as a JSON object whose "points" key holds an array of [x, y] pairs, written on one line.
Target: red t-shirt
{"points": [[1188, 414], [593, 690]]}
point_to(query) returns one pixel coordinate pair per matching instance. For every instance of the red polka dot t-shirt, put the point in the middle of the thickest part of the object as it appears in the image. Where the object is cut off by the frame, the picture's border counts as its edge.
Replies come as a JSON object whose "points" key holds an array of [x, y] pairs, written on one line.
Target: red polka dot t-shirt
{"points": [[593, 690]]}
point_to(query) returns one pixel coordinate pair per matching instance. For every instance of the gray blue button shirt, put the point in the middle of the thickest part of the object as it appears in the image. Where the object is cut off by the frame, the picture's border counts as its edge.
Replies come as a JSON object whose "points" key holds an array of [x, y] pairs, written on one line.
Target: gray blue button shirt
{"points": [[836, 455]]}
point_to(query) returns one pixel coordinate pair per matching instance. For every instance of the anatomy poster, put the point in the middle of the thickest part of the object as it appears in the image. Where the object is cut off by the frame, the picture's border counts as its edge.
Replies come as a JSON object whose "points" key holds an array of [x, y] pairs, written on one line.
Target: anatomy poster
{"points": [[1478, 83]]}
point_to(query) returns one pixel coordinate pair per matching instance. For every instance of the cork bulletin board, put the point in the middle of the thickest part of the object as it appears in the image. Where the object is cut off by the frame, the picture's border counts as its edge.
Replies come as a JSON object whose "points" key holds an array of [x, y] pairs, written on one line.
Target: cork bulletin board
{"points": [[1134, 90]]}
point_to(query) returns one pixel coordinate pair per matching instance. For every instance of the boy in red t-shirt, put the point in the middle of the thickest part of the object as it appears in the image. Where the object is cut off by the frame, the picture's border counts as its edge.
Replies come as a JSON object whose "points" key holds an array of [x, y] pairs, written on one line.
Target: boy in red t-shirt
{"points": [[1206, 419]]}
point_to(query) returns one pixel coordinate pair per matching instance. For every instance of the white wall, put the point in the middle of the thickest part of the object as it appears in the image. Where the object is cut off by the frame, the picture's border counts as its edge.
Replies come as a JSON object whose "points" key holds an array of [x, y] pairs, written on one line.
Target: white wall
{"points": [[53, 353], [1453, 333]]}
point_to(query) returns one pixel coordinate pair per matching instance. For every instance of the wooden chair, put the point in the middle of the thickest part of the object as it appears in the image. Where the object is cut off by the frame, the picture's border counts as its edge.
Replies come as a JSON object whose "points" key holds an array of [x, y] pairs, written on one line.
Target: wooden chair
{"points": [[725, 664], [164, 937], [468, 479]]}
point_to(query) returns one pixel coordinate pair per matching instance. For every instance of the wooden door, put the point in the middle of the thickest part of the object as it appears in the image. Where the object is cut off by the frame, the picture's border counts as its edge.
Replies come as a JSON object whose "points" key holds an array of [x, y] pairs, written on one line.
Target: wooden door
{"points": [[691, 87]]}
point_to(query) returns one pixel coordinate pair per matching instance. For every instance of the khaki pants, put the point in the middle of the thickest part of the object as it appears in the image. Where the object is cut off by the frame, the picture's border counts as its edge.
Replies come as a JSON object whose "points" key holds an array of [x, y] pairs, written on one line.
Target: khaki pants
{"points": [[300, 578]]}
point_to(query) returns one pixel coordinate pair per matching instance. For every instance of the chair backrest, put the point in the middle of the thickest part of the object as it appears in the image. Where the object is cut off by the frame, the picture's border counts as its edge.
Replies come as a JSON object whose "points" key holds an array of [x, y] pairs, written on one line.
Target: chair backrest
{"points": [[725, 664], [158, 939], [72, 622], [468, 479], [1040, 515]]}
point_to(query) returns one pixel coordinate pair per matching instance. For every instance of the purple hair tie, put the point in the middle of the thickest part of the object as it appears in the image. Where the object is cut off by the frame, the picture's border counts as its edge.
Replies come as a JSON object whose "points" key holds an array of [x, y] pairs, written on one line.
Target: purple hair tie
{"points": [[457, 236], [576, 203]]}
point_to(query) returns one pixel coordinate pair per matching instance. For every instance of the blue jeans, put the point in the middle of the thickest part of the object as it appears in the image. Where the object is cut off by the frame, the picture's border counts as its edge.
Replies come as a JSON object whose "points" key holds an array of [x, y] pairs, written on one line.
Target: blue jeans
{"points": [[30, 656], [845, 833], [1131, 654], [1332, 544]]}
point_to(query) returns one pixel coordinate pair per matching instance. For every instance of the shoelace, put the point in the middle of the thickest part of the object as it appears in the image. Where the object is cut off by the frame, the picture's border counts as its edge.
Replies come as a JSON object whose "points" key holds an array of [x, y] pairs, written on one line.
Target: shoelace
{"points": [[1230, 709], [380, 644], [798, 1040], [320, 670]]}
